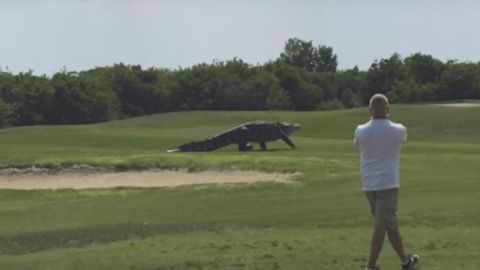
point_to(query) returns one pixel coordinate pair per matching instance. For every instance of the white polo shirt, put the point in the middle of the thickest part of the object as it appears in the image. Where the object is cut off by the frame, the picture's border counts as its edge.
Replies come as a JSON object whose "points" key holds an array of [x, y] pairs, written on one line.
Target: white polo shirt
{"points": [[379, 141]]}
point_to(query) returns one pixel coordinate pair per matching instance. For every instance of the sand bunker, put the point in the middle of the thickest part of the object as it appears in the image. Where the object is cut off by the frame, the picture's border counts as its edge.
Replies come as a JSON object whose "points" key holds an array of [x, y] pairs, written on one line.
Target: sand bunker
{"points": [[31, 179], [459, 105]]}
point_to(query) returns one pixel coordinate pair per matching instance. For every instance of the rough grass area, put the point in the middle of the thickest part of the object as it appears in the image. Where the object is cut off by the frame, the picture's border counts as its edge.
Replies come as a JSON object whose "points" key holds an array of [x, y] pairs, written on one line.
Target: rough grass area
{"points": [[320, 223]]}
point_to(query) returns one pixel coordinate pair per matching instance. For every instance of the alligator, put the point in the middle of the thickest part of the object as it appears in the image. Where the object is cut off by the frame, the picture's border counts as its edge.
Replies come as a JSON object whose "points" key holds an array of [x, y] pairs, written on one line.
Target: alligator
{"points": [[258, 131]]}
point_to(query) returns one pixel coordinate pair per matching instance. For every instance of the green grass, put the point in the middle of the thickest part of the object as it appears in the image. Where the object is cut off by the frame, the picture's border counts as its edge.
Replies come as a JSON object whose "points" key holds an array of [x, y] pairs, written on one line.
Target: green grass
{"points": [[321, 222]]}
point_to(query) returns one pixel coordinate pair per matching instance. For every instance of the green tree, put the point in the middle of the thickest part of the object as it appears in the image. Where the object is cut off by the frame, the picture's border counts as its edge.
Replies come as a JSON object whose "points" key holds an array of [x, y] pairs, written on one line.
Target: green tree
{"points": [[325, 59], [411, 91], [459, 81], [141, 91], [35, 99], [349, 87], [423, 68], [196, 87], [304, 95], [9, 99], [382, 74], [234, 86], [303, 54], [6, 114], [81, 99], [261, 91]]}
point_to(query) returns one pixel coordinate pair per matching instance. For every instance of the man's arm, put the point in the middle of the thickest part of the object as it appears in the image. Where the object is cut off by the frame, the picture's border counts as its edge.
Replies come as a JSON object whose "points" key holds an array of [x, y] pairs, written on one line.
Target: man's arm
{"points": [[403, 134], [356, 137]]}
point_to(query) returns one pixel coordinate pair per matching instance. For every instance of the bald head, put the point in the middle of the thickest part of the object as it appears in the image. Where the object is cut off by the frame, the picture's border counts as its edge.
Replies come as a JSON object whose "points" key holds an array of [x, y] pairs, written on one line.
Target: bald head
{"points": [[379, 106]]}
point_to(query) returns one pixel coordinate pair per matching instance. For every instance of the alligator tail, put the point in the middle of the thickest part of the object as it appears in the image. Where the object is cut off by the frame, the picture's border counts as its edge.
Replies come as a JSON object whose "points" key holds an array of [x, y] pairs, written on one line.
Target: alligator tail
{"points": [[203, 146]]}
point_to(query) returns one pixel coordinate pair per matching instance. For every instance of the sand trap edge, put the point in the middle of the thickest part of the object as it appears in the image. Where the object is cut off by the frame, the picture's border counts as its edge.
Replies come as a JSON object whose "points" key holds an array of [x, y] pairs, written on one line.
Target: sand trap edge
{"points": [[95, 178]]}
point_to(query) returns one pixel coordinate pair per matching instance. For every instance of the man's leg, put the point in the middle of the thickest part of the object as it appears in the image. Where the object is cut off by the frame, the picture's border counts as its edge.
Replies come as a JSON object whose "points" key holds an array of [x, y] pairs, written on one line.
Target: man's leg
{"points": [[390, 198], [396, 241], [408, 262], [378, 238], [384, 207]]}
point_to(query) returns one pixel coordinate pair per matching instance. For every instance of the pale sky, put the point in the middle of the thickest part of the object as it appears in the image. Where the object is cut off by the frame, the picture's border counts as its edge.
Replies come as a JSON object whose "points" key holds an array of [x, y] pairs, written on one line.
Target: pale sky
{"points": [[48, 35]]}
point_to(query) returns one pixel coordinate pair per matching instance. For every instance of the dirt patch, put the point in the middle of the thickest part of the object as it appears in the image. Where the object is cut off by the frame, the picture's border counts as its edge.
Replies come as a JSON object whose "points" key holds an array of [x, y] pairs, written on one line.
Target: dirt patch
{"points": [[459, 105], [84, 178]]}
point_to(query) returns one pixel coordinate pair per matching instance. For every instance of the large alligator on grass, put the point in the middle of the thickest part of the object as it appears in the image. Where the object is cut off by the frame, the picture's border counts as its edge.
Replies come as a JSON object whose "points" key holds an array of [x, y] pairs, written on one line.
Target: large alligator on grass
{"points": [[258, 132]]}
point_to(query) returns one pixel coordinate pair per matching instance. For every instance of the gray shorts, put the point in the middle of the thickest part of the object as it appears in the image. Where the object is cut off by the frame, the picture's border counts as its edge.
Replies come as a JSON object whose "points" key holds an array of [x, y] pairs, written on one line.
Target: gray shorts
{"points": [[383, 205]]}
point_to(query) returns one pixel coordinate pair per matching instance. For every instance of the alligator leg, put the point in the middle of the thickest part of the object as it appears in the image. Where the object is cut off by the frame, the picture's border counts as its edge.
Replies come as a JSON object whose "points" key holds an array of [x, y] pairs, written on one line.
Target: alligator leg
{"points": [[285, 138], [244, 146], [242, 139], [263, 145]]}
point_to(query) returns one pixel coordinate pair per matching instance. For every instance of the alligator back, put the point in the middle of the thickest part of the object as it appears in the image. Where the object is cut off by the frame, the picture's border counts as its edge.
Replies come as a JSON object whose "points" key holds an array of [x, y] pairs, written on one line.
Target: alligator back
{"points": [[218, 141]]}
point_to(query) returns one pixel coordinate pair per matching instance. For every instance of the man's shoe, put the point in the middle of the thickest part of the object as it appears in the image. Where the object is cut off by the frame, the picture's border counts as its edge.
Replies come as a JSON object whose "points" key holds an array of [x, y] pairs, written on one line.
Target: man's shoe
{"points": [[412, 262]]}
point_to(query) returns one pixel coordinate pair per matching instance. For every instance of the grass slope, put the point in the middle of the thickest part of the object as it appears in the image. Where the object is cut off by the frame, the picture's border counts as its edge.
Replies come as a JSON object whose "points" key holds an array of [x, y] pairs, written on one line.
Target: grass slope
{"points": [[322, 222]]}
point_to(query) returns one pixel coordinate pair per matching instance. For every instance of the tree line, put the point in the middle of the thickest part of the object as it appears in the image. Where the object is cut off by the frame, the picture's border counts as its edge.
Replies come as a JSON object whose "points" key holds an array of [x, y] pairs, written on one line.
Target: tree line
{"points": [[304, 77]]}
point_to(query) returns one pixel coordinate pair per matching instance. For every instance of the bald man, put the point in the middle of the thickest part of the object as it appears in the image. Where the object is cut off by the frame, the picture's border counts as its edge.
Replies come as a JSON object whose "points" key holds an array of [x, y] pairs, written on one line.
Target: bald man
{"points": [[379, 141]]}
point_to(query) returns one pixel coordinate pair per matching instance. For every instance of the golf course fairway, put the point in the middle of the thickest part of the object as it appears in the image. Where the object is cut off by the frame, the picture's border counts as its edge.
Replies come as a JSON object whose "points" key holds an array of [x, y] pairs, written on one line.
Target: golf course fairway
{"points": [[319, 221]]}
